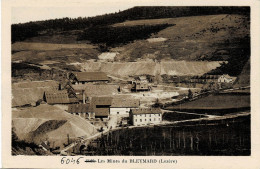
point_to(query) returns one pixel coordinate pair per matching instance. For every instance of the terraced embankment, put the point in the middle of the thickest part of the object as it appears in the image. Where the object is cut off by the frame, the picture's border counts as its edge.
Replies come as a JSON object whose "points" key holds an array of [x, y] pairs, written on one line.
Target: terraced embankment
{"points": [[26, 93], [45, 122], [173, 67]]}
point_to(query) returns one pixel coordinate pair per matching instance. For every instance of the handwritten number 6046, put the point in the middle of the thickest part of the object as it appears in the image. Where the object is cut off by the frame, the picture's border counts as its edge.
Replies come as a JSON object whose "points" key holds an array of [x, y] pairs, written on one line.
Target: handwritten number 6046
{"points": [[67, 161]]}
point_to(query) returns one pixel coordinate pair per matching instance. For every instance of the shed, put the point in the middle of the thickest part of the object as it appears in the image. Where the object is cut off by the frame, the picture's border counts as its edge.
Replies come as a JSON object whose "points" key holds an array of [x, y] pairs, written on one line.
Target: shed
{"points": [[56, 97]]}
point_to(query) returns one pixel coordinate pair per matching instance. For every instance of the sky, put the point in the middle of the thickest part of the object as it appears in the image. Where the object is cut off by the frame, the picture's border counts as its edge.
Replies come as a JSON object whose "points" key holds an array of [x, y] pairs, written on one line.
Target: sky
{"points": [[28, 10], [26, 14]]}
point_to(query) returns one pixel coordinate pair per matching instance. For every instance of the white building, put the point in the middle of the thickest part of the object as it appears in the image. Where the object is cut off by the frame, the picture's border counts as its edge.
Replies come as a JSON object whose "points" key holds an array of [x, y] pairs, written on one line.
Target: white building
{"points": [[226, 79], [145, 116], [123, 106]]}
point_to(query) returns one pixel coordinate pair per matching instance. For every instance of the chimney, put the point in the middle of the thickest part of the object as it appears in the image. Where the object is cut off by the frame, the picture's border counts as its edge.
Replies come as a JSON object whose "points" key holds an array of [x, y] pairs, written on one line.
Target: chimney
{"points": [[84, 97]]}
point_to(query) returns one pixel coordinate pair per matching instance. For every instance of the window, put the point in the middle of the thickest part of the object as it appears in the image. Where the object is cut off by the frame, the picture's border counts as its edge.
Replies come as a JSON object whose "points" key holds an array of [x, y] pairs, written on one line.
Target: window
{"points": [[144, 119], [135, 120], [154, 119], [150, 119], [140, 120]]}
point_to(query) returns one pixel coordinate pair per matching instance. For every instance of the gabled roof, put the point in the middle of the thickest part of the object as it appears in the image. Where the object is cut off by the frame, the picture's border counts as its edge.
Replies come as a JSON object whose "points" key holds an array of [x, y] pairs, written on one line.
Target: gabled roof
{"points": [[57, 97], [90, 76], [131, 103], [101, 100], [146, 111], [79, 108]]}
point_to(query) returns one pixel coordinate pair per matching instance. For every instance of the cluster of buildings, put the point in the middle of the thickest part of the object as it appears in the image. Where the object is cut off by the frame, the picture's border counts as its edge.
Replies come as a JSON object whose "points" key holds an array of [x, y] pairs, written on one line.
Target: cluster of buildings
{"points": [[213, 79], [73, 94]]}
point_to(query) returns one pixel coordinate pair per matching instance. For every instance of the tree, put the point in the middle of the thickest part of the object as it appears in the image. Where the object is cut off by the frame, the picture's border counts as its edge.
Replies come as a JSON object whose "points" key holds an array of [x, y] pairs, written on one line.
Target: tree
{"points": [[190, 94]]}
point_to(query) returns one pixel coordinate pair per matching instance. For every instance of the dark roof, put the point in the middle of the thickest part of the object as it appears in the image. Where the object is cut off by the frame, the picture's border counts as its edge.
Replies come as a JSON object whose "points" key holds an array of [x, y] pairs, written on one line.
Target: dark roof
{"points": [[125, 103], [56, 97], [79, 108], [146, 111], [141, 86], [90, 76], [101, 100]]}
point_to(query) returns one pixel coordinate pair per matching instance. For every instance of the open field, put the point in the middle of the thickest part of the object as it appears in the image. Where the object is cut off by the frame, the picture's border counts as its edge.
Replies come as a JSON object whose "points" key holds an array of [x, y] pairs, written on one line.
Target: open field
{"points": [[40, 52], [220, 103], [177, 116]]}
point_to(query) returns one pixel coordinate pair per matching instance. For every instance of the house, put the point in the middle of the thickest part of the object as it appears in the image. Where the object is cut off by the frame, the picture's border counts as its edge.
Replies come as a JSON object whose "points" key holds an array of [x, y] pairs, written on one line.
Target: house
{"points": [[145, 116], [83, 110], [138, 86], [101, 106], [56, 97], [123, 106], [143, 79], [226, 79], [87, 77]]}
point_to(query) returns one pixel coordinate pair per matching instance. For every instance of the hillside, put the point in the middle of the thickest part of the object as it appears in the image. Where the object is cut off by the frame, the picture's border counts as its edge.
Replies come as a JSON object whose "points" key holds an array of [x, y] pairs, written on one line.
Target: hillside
{"points": [[34, 91], [50, 123], [58, 27], [141, 33], [243, 79], [212, 37]]}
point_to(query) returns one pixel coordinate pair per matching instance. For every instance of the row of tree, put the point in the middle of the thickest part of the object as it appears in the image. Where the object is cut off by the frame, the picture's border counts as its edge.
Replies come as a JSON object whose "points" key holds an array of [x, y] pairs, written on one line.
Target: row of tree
{"points": [[112, 36]]}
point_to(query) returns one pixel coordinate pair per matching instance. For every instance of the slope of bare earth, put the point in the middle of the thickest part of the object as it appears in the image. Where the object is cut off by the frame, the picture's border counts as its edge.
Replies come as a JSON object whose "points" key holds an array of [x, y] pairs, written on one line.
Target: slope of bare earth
{"points": [[39, 52], [192, 38], [29, 92], [243, 79], [173, 67], [51, 123]]}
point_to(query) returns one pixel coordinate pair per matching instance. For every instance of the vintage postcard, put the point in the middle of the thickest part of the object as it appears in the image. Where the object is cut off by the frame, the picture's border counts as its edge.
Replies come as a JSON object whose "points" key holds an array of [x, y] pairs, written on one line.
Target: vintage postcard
{"points": [[138, 84]]}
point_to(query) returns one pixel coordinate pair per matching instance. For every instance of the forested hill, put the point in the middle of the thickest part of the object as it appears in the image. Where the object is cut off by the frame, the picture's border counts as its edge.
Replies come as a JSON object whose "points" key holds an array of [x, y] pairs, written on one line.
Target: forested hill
{"points": [[23, 31]]}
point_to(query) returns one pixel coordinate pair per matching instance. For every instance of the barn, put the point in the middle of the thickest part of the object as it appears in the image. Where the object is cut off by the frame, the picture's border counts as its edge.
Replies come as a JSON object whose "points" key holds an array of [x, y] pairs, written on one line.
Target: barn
{"points": [[87, 77], [83, 110], [56, 97], [101, 106]]}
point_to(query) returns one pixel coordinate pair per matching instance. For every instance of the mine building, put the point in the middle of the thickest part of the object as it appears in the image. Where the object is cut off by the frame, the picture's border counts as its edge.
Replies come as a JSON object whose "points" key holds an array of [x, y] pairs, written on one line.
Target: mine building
{"points": [[101, 106], [145, 116], [56, 97], [138, 86], [213, 79], [123, 106], [87, 77], [83, 110]]}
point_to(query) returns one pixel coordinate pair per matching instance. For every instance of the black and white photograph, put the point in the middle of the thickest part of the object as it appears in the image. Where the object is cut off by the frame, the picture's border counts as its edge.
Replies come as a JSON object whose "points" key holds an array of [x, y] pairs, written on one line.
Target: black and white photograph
{"points": [[131, 81]]}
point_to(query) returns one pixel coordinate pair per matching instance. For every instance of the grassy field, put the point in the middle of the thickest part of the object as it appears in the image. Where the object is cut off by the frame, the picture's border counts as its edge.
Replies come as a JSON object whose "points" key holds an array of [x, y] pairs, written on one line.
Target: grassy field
{"points": [[218, 103], [174, 116], [40, 52]]}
